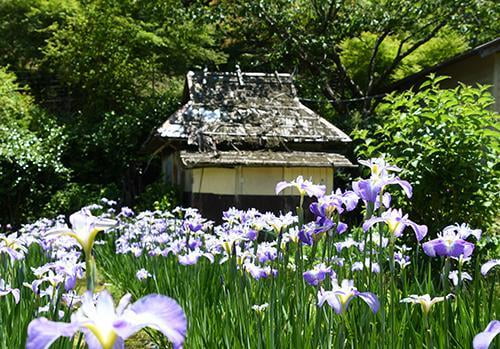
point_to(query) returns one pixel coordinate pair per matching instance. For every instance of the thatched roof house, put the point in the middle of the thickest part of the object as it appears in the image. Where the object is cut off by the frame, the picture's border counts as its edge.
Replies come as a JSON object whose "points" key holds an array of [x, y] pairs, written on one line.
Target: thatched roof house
{"points": [[237, 134]]}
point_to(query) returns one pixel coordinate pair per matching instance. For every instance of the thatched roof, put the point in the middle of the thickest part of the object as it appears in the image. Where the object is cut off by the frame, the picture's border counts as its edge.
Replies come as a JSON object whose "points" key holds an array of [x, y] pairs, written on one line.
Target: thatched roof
{"points": [[245, 108], [190, 159]]}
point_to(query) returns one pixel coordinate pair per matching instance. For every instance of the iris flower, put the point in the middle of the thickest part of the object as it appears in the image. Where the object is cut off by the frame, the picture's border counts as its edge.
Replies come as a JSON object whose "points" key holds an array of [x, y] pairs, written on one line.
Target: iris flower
{"points": [[341, 295], [378, 166], [483, 339], [258, 272], [5, 289], [425, 301], [107, 328], [455, 276], [327, 205], [317, 274], [485, 268], [396, 223], [369, 189], [85, 227], [13, 246], [463, 230], [448, 244], [303, 186]]}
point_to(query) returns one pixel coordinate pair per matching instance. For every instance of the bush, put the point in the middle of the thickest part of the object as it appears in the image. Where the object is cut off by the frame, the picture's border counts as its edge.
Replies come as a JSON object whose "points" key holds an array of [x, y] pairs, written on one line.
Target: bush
{"points": [[75, 195], [31, 147], [158, 196], [445, 141]]}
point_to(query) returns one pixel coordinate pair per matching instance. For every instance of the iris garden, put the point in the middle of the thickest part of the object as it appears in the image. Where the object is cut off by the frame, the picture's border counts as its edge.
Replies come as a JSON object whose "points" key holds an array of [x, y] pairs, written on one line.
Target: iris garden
{"points": [[116, 278]]}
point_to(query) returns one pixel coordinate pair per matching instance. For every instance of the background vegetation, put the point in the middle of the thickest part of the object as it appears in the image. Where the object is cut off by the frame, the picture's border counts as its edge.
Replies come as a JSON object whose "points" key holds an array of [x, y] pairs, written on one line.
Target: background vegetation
{"points": [[83, 82]]}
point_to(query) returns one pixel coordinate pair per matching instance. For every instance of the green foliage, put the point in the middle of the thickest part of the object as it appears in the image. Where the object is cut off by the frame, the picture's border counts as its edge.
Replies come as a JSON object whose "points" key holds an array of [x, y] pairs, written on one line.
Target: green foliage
{"points": [[31, 145], [356, 54], [442, 138], [158, 196], [26, 25], [73, 196]]}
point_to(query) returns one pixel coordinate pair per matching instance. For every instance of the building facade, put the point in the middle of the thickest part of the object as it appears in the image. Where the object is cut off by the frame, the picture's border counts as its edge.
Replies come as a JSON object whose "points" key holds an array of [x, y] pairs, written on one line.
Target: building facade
{"points": [[237, 135]]}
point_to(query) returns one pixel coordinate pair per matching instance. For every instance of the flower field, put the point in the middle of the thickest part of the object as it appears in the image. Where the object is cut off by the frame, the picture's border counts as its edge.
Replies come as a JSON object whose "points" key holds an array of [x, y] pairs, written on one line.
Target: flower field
{"points": [[115, 278]]}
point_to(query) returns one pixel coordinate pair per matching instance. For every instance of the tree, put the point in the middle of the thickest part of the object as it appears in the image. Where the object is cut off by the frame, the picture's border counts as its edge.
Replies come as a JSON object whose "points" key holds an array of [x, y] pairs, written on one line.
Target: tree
{"points": [[316, 39]]}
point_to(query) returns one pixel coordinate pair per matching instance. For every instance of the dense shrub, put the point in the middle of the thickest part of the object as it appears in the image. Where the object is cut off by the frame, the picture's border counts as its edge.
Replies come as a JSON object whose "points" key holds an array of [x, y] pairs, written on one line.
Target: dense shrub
{"points": [[445, 141], [31, 145], [75, 195], [158, 196]]}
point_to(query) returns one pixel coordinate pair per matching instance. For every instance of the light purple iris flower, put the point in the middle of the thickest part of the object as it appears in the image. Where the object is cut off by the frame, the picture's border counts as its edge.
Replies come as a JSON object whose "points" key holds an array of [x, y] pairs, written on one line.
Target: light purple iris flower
{"points": [[258, 272], [483, 339], [85, 227], [142, 274], [378, 166], [303, 186], [318, 274], [13, 246], [358, 266], [397, 223], [107, 328], [192, 257], [455, 276], [341, 295], [448, 244], [5, 289], [464, 231], [485, 268], [402, 260]]}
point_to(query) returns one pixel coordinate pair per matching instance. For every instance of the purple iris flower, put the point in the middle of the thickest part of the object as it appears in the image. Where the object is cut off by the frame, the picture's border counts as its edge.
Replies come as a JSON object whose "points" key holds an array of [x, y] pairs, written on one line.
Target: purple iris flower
{"points": [[126, 211], [327, 205], [317, 274], [258, 272], [402, 260], [448, 244], [396, 223], [369, 189], [483, 339], [303, 186], [106, 327], [485, 268], [313, 231], [341, 295], [266, 251]]}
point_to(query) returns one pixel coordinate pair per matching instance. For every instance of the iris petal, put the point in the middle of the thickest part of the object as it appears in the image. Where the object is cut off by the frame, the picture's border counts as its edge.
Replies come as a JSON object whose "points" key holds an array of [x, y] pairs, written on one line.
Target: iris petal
{"points": [[42, 332], [159, 312], [484, 339]]}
